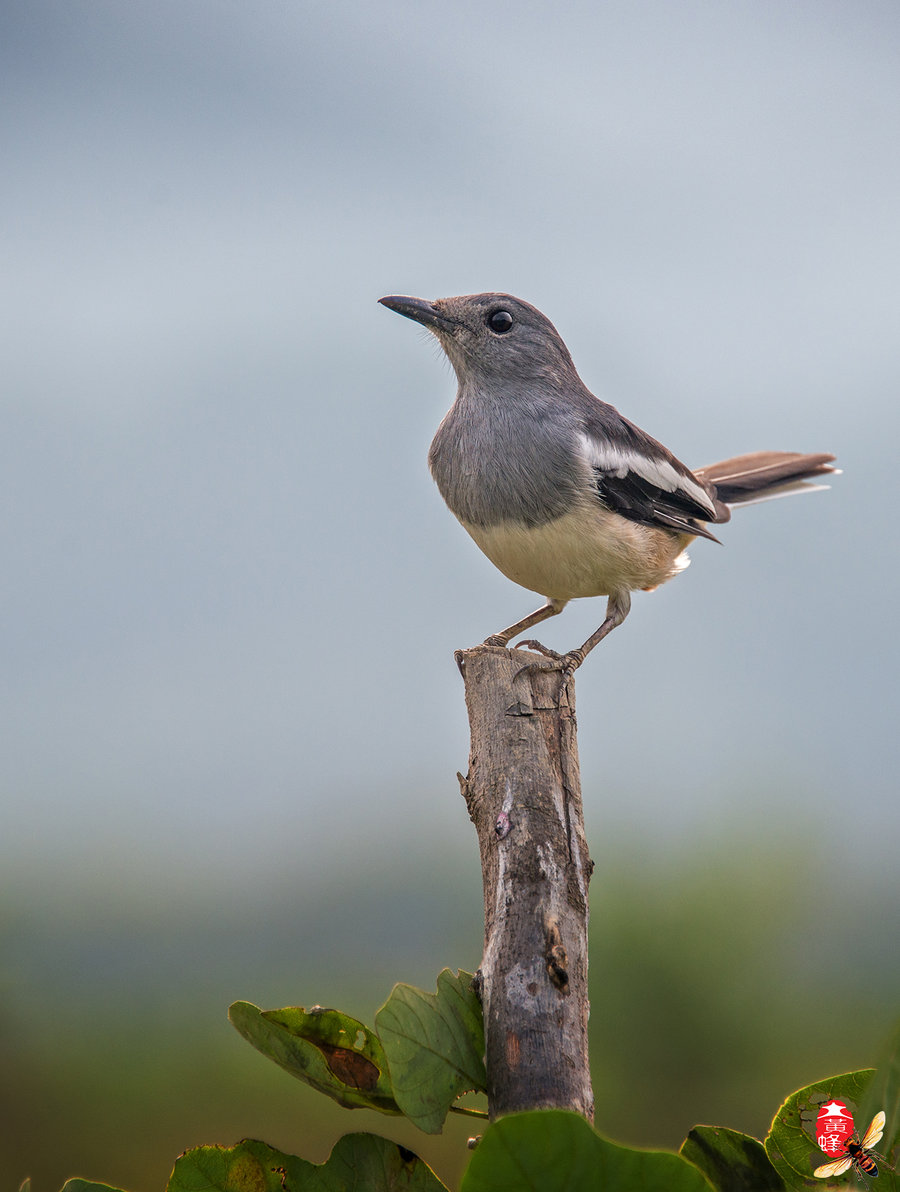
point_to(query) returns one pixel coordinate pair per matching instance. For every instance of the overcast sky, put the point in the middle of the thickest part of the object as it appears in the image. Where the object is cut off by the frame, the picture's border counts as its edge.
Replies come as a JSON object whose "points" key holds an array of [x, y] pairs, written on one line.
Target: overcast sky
{"points": [[230, 591]]}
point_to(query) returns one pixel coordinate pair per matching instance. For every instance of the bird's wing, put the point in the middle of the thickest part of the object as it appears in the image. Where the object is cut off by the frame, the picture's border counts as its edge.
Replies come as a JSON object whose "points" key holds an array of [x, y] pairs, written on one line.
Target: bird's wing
{"points": [[641, 480]]}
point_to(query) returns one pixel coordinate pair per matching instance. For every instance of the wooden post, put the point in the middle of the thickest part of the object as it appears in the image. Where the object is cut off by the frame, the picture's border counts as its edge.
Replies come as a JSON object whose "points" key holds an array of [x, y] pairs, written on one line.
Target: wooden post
{"points": [[523, 792]]}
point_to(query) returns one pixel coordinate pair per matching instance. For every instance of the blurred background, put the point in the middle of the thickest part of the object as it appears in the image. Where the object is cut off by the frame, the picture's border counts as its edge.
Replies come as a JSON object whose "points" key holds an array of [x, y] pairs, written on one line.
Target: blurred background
{"points": [[231, 593]]}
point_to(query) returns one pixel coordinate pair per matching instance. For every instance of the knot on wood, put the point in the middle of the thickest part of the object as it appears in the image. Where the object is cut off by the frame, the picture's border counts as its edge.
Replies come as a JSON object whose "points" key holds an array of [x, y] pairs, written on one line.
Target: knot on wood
{"points": [[555, 955], [478, 985], [558, 968]]}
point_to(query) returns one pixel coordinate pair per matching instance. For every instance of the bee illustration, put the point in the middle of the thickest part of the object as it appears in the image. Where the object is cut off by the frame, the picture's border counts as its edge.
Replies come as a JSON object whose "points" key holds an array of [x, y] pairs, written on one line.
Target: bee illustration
{"points": [[858, 1154]]}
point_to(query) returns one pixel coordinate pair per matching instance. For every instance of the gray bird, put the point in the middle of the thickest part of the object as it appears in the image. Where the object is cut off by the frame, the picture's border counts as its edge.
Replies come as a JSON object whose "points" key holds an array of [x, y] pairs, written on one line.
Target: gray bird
{"points": [[564, 495]]}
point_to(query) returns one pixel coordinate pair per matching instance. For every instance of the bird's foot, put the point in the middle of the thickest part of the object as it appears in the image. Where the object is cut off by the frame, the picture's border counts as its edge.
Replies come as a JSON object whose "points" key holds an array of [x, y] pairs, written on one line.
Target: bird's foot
{"points": [[567, 663], [496, 639], [545, 650], [573, 660]]}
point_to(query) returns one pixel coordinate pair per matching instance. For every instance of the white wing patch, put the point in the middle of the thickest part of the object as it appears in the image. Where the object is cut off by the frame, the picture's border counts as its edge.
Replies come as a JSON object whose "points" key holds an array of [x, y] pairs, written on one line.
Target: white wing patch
{"points": [[659, 472]]}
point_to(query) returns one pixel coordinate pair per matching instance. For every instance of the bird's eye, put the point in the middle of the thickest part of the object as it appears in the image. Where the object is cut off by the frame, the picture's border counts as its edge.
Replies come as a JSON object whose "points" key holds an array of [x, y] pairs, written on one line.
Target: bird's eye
{"points": [[500, 321]]}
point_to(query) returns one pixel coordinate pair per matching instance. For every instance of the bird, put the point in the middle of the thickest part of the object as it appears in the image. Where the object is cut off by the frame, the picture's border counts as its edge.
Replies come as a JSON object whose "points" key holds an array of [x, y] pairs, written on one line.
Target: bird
{"points": [[565, 495]]}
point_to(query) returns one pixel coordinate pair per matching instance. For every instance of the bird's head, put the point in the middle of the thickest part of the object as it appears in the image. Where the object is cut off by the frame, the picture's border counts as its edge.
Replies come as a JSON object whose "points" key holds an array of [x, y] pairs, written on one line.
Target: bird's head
{"points": [[491, 337]]}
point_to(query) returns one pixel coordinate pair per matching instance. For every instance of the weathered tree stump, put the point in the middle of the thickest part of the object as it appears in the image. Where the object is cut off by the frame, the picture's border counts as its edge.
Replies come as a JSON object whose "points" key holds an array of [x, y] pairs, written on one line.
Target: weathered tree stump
{"points": [[523, 792]]}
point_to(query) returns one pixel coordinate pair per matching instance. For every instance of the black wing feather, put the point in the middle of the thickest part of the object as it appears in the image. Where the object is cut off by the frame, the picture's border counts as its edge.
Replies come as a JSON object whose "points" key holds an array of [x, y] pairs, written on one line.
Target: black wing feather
{"points": [[632, 495], [639, 500]]}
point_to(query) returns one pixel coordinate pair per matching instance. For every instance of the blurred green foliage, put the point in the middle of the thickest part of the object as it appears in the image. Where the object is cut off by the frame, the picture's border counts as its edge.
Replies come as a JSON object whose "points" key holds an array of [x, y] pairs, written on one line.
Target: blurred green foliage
{"points": [[725, 973]]}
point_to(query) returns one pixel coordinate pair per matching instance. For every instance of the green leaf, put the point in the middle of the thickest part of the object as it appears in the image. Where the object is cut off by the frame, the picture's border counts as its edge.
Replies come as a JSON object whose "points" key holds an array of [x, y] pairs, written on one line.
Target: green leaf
{"points": [[731, 1161], [554, 1150], [790, 1143], [365, 1161], [248, 1167], [331, 1051], [78, 1186], [358, 1161], [434, 1044]]}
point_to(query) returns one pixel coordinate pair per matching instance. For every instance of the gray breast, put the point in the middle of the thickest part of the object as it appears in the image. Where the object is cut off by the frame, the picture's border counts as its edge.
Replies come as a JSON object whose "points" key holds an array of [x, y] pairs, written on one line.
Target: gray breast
{"points": [[510, 456]]}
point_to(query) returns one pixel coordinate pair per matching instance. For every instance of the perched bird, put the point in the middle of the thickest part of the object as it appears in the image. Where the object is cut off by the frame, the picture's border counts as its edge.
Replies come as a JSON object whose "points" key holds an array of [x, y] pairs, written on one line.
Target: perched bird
{"points": [[564, 495]]}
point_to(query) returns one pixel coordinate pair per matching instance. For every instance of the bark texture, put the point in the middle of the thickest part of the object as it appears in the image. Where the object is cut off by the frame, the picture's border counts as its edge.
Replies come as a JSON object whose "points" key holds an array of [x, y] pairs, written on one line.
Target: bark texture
{"points": [[523, 792]]}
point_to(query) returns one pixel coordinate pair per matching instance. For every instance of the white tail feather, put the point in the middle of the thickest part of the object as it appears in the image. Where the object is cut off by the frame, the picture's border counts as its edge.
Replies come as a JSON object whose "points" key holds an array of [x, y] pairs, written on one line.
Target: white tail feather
{"points": [[788, 490]]}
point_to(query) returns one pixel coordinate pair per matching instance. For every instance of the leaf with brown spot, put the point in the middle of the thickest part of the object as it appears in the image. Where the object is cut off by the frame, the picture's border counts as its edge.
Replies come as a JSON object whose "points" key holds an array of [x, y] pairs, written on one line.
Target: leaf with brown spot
{"points": [[351, 1067], [336, 1054]]}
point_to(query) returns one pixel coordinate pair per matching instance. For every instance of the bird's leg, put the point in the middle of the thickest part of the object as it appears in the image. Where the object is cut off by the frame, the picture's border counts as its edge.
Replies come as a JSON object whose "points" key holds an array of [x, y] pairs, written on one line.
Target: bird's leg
{"points": [[617, 610], [550, 609]]}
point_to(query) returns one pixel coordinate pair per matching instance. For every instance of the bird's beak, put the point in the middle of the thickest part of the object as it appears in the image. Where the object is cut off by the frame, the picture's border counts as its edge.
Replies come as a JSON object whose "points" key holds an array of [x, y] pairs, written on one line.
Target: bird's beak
{"points": [[419, 311]]}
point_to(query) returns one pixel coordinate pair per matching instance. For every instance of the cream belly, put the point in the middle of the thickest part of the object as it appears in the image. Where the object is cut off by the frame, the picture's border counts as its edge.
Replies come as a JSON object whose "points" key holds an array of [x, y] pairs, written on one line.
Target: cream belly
{"points": [[589, 552]]}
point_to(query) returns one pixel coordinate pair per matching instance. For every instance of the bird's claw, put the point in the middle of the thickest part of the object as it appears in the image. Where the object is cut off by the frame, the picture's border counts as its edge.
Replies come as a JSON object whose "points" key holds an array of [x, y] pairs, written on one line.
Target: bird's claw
{"points": [[545, 650], [573, 660]]}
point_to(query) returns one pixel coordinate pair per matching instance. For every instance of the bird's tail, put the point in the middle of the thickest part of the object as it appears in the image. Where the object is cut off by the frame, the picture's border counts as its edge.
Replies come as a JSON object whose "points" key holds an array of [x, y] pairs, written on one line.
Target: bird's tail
{"points": [[764, 475]]}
